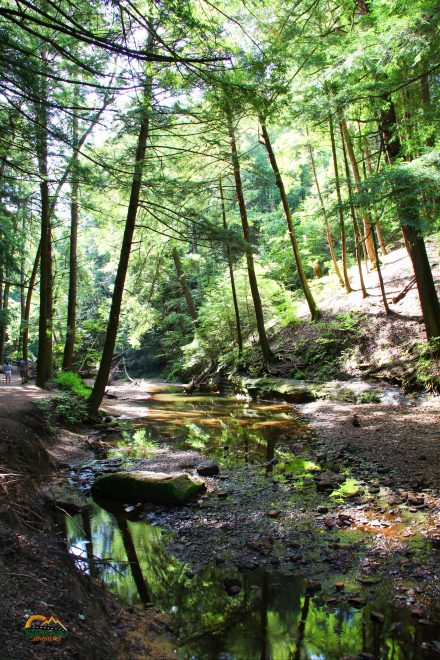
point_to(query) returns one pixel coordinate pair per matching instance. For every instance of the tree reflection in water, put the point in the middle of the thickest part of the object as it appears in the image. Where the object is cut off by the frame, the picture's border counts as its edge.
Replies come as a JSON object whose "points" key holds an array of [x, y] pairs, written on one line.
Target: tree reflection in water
{"points": [[271, 617]]}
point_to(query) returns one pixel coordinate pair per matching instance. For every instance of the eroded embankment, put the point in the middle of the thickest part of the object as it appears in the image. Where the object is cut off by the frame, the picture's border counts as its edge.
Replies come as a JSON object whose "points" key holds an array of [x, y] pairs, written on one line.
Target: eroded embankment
{"points": [[37, 575]]}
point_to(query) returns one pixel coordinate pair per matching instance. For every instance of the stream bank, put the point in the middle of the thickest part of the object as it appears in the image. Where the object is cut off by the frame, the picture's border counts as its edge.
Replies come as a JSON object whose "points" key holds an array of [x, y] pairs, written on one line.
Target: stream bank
{"points": [[38, 577], [305, 529]]}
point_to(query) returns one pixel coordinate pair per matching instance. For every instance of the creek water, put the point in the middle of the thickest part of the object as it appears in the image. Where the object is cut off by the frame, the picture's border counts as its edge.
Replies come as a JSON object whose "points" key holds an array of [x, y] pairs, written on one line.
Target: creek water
{"points": [[273, 614]]}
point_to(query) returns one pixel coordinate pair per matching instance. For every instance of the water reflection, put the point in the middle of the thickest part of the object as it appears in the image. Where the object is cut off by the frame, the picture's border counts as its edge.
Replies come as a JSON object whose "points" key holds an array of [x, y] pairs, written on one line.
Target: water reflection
{"points": [[230, 431], [271, 618]]}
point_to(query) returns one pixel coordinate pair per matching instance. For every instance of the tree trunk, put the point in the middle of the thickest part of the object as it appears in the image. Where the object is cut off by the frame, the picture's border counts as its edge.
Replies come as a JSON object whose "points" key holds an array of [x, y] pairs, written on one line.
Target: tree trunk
{"points": [[231, 274], [22, 295], [27, 307], [348, 288], [5, 305], [326, 223], [357, 180], [184, 285], [71, 303], [357, 238], [409, 217], [258, 308], [44, 355], [379, 273], [425, 94], [377, 223], [115, 310], [280, 185]]}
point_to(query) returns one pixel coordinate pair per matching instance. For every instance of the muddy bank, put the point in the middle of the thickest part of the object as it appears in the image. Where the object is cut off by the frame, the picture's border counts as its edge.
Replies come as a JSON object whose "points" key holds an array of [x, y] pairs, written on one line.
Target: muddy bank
{"points": [[37, 574]]}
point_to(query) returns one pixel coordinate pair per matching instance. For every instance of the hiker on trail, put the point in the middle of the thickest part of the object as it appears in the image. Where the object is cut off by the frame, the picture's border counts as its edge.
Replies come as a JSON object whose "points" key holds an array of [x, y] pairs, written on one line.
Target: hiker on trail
{"points": [[22, 368], [7, 370]]}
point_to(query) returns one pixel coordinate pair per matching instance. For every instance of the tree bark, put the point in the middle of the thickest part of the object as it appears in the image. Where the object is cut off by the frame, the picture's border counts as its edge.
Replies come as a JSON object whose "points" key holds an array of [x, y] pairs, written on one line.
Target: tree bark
{"points": [[377, 223], [44, 356], [231, 275], [326, 223], [280, 185], [115, 310], [348, 288], [5, 305], [71, 303], [357, 237], [27, 307], [253, 283], [357, 180], [184, 285], [409, 217]]}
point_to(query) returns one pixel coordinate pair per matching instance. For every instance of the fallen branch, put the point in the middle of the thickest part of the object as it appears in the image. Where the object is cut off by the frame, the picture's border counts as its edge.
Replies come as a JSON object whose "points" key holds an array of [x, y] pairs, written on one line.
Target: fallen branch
{"points": [[403, 293]]}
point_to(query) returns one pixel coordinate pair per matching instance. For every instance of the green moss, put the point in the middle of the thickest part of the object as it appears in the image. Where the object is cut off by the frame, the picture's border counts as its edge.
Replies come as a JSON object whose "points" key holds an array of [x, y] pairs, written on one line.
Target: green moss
{"points": [[148, 487], [68, 380], [350, 488], [369, 396]]}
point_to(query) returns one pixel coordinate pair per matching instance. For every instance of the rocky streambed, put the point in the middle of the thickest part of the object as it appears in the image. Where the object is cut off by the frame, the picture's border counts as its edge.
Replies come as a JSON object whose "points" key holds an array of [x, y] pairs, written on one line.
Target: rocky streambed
{"points": [[301, 545]]}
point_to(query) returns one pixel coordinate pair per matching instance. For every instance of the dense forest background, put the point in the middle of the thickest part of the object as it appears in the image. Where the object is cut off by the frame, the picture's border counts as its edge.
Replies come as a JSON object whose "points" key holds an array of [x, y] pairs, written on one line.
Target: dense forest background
{"points": [[174, 175]]}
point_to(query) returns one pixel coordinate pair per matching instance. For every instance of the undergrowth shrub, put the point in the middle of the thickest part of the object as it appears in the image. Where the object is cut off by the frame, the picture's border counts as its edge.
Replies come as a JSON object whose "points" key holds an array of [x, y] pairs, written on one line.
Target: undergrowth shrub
{"points": [[68, 380], [426, 372], [322, 353], [64, 408]]}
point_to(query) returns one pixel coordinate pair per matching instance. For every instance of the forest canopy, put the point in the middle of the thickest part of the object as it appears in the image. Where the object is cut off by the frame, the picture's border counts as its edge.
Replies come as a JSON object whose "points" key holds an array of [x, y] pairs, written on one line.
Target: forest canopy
{"points": [[174, 174]]}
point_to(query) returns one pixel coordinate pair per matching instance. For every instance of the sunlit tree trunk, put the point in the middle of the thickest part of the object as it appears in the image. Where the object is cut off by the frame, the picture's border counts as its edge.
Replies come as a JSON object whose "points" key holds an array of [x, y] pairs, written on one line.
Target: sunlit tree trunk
{"points": [[340, 211], [357, 180], [326, 223], [231, 274], [256, 298], [367, 160], [280, 185], [357, 237]]}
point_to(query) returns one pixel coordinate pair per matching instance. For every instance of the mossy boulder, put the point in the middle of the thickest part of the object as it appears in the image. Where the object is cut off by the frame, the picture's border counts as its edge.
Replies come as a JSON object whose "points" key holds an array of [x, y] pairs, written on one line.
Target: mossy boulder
{"points": [[143, 486], [67, 497], [278, 388]]}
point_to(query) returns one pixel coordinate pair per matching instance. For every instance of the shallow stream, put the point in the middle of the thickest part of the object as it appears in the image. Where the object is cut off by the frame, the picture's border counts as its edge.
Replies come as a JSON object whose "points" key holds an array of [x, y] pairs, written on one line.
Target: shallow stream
{"points": [[273, 612]]}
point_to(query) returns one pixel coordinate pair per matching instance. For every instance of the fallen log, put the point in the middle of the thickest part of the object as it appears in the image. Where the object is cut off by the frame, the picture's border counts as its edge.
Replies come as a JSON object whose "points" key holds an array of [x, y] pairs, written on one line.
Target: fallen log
{"points": [[404, 291]]}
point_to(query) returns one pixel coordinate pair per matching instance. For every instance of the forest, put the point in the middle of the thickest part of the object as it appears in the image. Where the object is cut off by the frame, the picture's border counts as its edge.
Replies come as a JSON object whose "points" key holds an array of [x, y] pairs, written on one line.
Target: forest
{"points": [[237, 200]]}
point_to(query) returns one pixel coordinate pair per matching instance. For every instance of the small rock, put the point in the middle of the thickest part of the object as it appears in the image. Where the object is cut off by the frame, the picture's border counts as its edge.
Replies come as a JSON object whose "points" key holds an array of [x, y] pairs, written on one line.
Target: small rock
{"points": [[377, 617], [417, 613], [339, 586], [232, 586], [273, 513], [312, 587], [357, 602], [207, 468], [322, 509]]}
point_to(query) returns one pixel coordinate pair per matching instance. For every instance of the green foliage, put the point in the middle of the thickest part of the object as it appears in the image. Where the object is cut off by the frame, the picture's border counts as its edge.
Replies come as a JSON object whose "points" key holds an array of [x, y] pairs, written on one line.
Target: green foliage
{"points": [[64, 408], [321, 355], [215, 333], [426, 372], [369, 396], [68, 380]]}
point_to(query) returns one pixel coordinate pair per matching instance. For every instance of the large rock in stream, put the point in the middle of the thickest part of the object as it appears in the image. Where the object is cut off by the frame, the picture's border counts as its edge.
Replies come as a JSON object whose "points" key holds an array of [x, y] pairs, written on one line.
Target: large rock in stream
{"points": [[143, 486], [282, 389]]}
